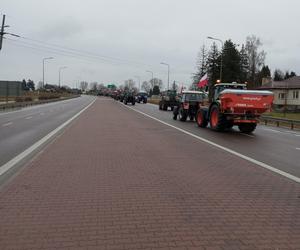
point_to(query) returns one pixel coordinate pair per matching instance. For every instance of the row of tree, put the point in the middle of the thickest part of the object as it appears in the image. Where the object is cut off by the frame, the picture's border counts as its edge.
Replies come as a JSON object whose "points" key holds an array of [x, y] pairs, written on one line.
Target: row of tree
{"points": [[28, 85], [279, 75], [152, 86], [243, 63]]}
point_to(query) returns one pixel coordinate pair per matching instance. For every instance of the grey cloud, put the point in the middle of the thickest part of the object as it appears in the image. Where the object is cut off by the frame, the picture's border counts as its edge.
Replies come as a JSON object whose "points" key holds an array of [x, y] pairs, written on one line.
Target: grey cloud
{"points": [[62, 28]]}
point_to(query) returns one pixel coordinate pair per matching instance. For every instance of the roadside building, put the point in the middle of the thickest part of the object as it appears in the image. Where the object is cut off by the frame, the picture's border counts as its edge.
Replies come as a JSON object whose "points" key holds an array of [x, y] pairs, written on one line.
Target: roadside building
{"points": [[286, 93]]}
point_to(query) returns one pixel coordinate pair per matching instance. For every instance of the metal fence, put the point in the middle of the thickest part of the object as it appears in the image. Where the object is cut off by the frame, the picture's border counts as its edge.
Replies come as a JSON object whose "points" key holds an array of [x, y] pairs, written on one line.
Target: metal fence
{"points": [[280, 122], [10, 89]]}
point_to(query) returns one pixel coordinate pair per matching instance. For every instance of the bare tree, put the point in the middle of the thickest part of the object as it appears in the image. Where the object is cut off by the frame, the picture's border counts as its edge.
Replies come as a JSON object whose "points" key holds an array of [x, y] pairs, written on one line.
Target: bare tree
{"points": [[93, 86], [175, 86], [129, 84], [83, 85], [100, 86], [40, 85], [146, 86], [156, 82], [256, 58], [201, 65]]}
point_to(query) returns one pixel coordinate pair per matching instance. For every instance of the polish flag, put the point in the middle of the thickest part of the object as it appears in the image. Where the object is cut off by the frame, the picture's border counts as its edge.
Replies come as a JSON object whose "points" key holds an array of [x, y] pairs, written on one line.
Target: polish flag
{"points": [[203, 82]]}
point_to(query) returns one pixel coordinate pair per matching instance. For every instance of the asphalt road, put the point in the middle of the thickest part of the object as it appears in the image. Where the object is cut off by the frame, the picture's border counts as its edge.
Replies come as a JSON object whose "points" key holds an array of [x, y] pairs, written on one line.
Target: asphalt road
{"points": [[22, 128], [277, 147]]}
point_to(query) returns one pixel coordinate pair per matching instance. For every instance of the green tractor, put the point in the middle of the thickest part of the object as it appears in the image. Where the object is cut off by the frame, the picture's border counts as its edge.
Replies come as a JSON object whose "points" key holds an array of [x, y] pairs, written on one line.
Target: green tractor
{"points": [[129, 97], [168, 99]]}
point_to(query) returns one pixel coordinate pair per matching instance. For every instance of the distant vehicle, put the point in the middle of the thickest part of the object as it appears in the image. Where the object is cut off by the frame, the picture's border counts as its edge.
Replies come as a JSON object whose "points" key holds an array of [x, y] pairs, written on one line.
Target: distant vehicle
{"points": [[142, 97], [233, 104], [168, 99], [189, 104], [115, 94], [129, 97]]}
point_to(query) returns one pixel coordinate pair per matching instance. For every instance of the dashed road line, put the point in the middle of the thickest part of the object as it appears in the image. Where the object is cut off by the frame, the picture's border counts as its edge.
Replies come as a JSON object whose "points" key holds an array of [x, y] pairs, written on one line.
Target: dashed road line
{"points": [[28, 117], [7, 124], [247, 158], [252, 136], [281, 132]]}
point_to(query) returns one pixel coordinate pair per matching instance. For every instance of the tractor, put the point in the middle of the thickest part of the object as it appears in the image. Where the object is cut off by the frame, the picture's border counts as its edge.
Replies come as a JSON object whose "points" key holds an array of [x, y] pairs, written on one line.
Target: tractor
{"points": [[233, 105]]}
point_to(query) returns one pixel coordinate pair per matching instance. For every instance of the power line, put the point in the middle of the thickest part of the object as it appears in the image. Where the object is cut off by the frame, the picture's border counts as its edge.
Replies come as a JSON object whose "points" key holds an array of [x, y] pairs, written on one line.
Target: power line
{"points": [[29, 46], [87, 52]]}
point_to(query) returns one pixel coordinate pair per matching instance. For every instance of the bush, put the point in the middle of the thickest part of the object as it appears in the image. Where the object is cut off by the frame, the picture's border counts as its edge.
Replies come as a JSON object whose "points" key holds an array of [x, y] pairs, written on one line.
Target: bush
{"points": [[19, 99], [23, 99], [28, 99], [48, 96]]}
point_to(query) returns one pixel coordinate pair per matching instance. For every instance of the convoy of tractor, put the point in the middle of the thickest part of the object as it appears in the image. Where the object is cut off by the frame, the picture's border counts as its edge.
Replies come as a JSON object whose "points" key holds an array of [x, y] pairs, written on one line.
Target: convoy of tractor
{"points": [[231, 104]]}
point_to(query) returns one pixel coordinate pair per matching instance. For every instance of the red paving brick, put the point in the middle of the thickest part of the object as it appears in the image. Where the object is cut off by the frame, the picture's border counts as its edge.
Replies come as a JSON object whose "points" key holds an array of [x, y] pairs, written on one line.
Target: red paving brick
{"points": [[117, 180]]}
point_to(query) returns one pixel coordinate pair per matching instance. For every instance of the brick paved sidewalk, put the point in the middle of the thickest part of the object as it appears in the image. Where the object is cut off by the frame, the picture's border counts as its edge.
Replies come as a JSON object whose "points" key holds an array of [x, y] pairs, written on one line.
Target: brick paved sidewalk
{"points": [[117, 180]]}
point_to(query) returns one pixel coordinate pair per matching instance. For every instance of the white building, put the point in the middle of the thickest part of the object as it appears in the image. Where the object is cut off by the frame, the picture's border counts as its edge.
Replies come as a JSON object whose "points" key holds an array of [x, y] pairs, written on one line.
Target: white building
{"points": [[286, 93]]}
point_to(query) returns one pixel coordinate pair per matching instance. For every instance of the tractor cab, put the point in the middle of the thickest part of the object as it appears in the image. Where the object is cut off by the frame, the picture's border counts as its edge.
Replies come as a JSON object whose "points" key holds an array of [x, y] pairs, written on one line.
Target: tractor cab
{"points": [[218, 88]]}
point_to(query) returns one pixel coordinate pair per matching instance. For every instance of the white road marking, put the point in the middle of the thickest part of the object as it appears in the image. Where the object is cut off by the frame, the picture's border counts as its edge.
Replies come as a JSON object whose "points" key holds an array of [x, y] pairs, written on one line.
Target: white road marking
{"points": [[247, 158], [28, 118], [272, 130], [39, 143], [252, 136], [7, 124], [282, 132], [298, 148]]}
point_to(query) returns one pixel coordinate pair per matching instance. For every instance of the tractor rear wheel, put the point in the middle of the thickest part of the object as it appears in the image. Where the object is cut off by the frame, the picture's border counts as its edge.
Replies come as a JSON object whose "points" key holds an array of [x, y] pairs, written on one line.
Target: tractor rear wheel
{"points": [[217, 119], [247, 128], [160, 106], [201, 119]]}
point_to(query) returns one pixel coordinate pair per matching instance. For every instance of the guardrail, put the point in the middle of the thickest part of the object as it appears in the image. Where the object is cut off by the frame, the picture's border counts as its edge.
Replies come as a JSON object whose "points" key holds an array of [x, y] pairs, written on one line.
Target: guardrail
{"points": [[25, 104], [279, 121]]}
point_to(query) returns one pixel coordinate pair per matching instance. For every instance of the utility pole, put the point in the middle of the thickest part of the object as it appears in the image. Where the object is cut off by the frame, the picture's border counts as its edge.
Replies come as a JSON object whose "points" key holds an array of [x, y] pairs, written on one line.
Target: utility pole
{"points": [[59, 74], [139, 78], [44, 59], [168, 73], [2, 31]]}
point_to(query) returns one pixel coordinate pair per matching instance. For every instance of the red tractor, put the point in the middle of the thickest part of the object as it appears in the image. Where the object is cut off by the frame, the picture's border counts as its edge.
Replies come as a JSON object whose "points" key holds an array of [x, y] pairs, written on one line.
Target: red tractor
{"points": [[232, 104]]}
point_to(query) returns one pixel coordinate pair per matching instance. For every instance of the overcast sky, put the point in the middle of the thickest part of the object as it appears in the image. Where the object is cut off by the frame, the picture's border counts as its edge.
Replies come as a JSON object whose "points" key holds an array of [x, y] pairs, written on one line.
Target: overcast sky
{"points": [[124, 38]]}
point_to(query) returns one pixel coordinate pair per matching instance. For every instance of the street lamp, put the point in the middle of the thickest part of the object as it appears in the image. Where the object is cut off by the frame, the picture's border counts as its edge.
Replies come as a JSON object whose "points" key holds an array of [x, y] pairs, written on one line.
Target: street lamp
{"points": [[59, 74], [168, 72], [44, 59], [217, 39], [139, 78], [152, 75]]}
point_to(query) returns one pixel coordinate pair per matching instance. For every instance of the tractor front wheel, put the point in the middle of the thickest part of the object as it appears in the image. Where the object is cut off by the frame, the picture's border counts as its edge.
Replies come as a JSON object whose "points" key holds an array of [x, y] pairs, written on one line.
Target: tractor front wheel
{"points": [[182, 114], [217, 119]]}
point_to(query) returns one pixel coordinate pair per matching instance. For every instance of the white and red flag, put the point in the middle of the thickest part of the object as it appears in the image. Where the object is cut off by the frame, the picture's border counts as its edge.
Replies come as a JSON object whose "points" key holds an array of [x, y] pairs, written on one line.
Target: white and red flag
{"points": [[203, 81]]}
